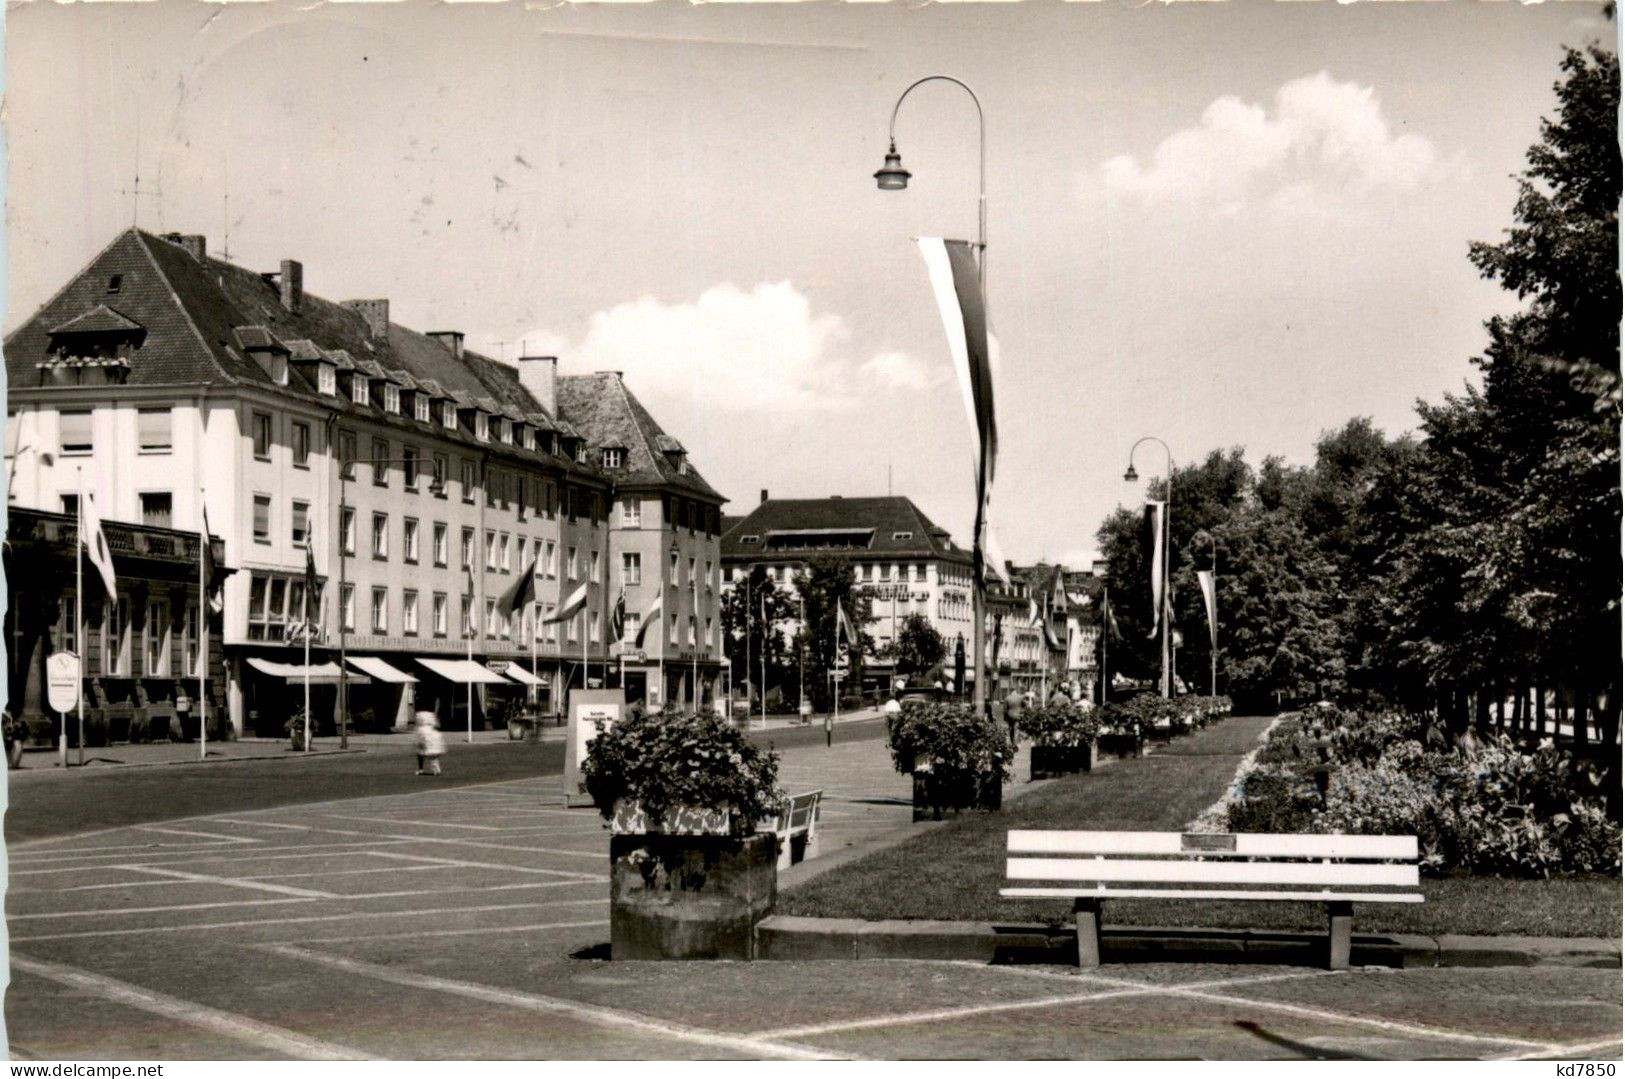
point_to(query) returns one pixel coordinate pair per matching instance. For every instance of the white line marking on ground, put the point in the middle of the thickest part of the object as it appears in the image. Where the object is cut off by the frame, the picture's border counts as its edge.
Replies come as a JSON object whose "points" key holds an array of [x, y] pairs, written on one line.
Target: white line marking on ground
{"points": [[596, 854], [216, 836], [121, 911], [461, 932], [174, 856], [465, 890], [1344, 1017], [273, 922], [239, 1027], [233, 882], [610, 1017], [1580, 1050], [413, 823], [484, 865]]}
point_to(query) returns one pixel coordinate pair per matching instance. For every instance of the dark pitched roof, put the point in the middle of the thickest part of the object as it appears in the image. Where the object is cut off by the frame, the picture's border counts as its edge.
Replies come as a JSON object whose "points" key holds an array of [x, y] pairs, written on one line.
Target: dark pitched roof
{"points": [[99, 319], [892, 526], [607, 414]]}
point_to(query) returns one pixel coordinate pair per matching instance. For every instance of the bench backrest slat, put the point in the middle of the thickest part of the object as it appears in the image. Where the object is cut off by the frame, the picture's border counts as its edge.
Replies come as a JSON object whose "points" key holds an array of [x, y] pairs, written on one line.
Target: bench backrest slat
{"points": [[1247, 845], [1185, 871]]}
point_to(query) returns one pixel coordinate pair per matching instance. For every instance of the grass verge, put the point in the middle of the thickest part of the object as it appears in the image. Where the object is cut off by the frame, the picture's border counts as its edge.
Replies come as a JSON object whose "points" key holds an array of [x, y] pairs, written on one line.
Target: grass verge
{"points": [[954, 871]]}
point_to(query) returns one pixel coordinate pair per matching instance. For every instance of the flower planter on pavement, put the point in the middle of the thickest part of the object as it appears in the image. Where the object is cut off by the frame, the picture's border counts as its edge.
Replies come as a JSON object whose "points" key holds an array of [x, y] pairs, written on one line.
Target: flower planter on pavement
{"points": [[687, 895], [1051, 761], [934, 800]]}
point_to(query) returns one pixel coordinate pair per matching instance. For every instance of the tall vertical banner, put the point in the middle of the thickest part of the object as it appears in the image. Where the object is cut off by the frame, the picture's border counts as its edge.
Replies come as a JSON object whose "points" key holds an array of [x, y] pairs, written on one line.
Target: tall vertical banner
{"points": [[1211, 600], [1154, 516]]}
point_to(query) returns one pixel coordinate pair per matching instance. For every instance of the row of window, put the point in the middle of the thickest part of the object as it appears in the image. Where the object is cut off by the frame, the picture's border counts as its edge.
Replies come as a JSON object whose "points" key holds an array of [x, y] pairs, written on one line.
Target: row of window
{"points": [[121, 643]]}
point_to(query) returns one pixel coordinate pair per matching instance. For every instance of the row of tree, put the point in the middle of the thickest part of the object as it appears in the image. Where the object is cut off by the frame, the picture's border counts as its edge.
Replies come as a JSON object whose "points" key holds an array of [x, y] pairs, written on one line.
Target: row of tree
{"points": [[1473, 563]]}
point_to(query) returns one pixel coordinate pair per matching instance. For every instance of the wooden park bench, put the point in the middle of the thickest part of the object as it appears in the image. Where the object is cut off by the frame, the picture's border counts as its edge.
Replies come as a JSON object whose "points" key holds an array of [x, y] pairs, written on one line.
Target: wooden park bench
{"points": [[1088, 867], [798, 823]]}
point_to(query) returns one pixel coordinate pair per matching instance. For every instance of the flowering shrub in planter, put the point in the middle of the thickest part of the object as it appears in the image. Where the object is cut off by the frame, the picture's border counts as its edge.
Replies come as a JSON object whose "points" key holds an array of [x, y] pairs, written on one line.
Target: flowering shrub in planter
{"points": [[1063, 739], [959, 760], [681, 762]]}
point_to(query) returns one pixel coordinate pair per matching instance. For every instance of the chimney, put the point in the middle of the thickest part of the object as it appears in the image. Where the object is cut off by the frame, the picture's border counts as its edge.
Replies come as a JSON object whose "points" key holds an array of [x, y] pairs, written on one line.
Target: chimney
{"points": [[764, 494], [539, 376], [376, 314], [292, 283], [452, 339], [196, 246]]}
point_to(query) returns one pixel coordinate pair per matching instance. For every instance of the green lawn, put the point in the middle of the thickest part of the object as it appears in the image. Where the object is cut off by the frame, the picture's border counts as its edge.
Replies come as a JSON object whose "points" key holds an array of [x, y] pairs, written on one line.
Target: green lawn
{"points": [[955, 871]]}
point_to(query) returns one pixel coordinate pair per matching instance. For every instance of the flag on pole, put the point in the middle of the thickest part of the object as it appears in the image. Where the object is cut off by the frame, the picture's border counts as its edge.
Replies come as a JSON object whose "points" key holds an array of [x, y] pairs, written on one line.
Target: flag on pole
{"points": [[843, 626], [522, 592], [998, 639], [570, 607], [617, 618], [1154, 520], [1210, 599], [650, 616], [216, 603], [1111, 619], [95, 542]]}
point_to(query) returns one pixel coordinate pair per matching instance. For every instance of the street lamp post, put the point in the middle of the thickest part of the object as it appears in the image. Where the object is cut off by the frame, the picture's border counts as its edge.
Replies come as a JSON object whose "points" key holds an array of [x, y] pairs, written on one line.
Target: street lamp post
{"points": [[893, 177], [1167, 553], [435, 486]]}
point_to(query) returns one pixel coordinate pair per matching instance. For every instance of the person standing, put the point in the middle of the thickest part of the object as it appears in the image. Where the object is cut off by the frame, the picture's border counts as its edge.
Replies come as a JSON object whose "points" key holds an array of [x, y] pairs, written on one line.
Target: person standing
{"points": [[431, 744], [1013, 710]]}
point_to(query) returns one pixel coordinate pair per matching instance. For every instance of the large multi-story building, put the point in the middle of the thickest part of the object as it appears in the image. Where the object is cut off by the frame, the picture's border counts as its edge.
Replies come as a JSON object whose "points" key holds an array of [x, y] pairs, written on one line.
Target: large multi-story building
{"points": [[423, 479]]}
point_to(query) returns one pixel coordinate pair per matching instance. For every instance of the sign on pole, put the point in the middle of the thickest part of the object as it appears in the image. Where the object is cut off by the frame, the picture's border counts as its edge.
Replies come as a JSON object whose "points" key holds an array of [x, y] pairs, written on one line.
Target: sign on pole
{"points": [[62, 682]]}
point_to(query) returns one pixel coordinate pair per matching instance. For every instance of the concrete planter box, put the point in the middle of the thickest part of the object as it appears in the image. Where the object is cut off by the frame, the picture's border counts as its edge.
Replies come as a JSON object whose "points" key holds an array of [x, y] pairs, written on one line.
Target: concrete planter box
{"points": [[934, 799], [689, 896], [1124, 745], [1051, 761]]}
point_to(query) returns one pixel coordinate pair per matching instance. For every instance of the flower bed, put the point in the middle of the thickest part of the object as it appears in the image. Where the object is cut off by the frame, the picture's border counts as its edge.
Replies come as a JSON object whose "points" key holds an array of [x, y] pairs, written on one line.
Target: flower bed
{"points": [[1494, 809], [1063, 739], [959, 760]]}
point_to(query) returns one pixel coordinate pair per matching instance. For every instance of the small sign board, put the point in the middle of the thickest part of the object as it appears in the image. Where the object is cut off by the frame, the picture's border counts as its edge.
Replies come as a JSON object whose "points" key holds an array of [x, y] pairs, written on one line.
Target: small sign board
{"points": [[62, 682], [592, 711], [1190, 841]]}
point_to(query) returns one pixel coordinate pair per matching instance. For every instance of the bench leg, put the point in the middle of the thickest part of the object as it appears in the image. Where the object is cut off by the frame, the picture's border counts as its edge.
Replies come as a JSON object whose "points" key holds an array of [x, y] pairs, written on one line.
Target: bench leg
{"points": [[1087, 914], [1340, 927]]}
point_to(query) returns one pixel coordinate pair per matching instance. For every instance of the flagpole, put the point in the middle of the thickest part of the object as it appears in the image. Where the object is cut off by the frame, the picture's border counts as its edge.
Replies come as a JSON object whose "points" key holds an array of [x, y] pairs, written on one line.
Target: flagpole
{"points": [[307, 661], [696, 586], [202, 651], [763, 650], [78, 616], [535, 626], [470, 708], [835, 657]]}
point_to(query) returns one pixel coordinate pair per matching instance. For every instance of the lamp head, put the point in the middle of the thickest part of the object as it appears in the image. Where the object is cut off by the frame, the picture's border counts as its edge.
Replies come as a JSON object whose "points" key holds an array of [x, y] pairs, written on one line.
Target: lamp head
{"points": [[1130, 476], [892, 175]]}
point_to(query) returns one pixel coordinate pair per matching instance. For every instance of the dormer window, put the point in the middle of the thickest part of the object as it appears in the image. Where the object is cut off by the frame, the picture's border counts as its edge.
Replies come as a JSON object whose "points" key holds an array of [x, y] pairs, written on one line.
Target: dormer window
{"points": [[750, 539], [528, 436], [902, 535], [504, 431], [392, 398], [482, 427], [421, 405], [358, 389], [448, 415], [614, 457], [115, 282], [581, 453], [327, 379]]}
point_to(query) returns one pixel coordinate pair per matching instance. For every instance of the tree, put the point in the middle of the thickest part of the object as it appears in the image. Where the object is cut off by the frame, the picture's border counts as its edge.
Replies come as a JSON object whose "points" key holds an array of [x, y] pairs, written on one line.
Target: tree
{"points": [[743, 611], [825, 583], [918, 648]]}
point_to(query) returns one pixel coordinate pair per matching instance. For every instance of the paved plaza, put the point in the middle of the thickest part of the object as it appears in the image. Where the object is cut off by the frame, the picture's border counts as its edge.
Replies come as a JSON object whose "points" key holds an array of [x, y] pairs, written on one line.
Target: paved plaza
{"points": [[472, 922]]}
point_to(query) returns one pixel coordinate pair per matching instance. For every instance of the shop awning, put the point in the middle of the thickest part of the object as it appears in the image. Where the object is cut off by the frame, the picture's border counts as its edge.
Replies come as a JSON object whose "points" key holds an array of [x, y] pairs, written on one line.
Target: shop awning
{"points": [[378, 669], [464, 670], [522, 676], [296, 672]]}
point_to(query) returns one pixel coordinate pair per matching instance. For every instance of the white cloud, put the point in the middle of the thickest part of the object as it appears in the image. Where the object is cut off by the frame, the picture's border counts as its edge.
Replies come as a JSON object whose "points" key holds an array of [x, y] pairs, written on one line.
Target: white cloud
{"points": [[1321, 139], [732, 350], [900, 371]]}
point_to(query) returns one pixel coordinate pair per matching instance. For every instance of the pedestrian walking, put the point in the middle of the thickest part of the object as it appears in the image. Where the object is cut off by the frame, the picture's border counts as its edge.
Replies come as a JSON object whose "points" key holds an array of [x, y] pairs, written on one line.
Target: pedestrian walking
{"points": [[1013, 710], [431, 744]]}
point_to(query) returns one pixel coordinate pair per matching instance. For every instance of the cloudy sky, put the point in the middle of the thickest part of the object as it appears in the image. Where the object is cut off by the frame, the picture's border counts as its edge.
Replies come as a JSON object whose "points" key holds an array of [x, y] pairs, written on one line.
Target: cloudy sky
{"points": [[1221, 224]]}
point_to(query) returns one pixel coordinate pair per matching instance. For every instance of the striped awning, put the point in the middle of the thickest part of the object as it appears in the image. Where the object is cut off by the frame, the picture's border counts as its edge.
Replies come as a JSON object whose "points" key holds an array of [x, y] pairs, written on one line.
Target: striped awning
{"points": [[522, 676], [297, 672], [464, 670], [378, 669]]}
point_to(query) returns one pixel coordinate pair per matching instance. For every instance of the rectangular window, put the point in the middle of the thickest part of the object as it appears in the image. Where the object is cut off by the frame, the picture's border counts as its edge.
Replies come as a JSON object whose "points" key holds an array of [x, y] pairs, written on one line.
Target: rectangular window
{"points": [[409, 466], [693, 581], [491, 551], [409, 612], [570, 564], [551, 562], [691, 640], [448, 415], [347, 454], [157, 508], [494, 479], [631, 513], [570, 636], [468, 616], [347, 529], [189, 641], [470, 480], [380, 455], [594, 626], [482, 427], [502, 553], [347, 607], [73, 432], [441, 543], [521, 497], [155, 641], [70, 505], [409, 540], [300, 534], [491, 629], [116, 637], [550, 628], [301, 444], [380, 535], [593, 570], [380, 610], [392, 397], [676, 568], [468, 548], [442, 474], [262, 435], [153, 426], [262, 518], [614, 457], [327, 379], [631, 568], [439, 614], [358, 389], [420, 407]]}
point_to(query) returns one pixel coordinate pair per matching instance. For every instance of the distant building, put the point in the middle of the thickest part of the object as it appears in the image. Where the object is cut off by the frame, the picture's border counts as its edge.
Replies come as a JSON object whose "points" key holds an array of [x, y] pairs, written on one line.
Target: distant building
{"points": [[423, 478]]}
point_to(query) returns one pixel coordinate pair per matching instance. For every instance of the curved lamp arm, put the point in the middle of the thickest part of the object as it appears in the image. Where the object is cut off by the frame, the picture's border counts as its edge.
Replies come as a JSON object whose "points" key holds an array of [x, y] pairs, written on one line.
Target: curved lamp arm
{"points": [[981, 137]]}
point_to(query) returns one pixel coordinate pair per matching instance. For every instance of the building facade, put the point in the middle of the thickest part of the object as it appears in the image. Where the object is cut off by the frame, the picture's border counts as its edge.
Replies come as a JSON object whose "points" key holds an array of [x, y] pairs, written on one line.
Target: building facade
{"points": [[424, 480]]}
